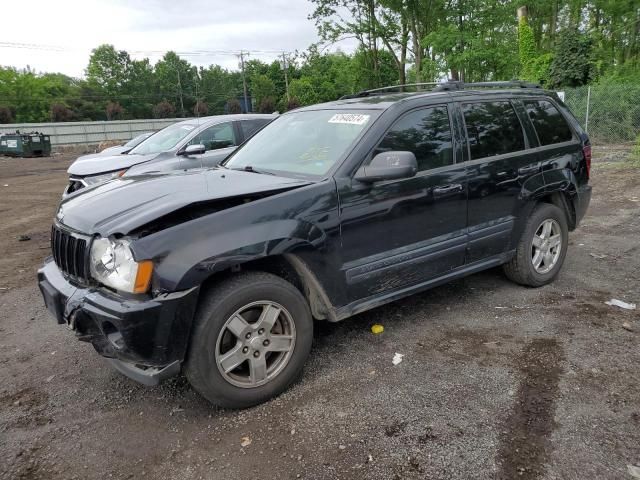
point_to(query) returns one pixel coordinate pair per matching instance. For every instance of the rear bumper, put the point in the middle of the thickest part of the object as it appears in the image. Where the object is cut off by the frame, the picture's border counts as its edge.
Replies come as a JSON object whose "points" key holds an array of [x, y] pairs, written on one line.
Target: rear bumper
{"points": [[581, 202], [146, 339]]}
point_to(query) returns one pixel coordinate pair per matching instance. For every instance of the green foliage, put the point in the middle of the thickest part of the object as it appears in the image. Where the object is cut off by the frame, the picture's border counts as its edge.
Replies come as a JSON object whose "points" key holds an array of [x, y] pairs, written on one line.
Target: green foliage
{"points": [[572, 63], [114, 111], [164, 109], [6, 115], [60, 113], [526, 48], [397, 41], [635, 152], [200, 109], [108, 68], [538, 70], [233, 106], [267, 105], [304, 90], [262, 87]]}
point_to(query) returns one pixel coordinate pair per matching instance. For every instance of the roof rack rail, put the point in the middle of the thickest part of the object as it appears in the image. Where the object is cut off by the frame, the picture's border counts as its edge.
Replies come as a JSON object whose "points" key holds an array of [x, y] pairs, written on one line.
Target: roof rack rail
{"points": [[443, 86], [388, 88], [457, 85]]}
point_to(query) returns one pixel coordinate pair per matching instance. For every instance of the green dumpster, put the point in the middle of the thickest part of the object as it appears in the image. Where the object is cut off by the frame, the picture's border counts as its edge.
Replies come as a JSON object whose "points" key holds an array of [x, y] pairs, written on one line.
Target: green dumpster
{"points": [[25, 144]]}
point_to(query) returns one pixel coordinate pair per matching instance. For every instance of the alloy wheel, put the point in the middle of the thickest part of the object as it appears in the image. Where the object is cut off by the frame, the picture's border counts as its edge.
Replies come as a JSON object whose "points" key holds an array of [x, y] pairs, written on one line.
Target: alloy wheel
{"points": [[546, 246], [255, 344]]}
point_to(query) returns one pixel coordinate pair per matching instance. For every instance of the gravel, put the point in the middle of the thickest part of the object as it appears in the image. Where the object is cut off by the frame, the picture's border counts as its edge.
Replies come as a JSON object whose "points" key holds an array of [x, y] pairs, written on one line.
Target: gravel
{"points": [[496, 380]]}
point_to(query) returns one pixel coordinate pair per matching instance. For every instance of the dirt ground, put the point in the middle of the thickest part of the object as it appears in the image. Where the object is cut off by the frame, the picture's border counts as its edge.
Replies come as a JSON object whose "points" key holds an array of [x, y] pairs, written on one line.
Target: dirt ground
{"points": [[497, 381]]}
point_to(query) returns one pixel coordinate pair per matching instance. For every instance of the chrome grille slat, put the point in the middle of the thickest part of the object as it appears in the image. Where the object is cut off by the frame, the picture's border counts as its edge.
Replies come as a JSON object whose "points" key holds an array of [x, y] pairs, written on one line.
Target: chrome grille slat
{"points": [[70, 253]]}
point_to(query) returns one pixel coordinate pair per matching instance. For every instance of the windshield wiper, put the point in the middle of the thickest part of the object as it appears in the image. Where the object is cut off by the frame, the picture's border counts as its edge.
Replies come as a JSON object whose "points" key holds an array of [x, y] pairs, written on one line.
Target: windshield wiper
{"points": [[249, 168]]}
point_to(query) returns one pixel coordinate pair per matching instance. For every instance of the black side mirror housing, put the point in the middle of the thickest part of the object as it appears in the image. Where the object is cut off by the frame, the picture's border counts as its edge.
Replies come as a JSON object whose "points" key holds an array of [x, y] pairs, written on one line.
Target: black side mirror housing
{"points": [[193, 150], [392, 165]]}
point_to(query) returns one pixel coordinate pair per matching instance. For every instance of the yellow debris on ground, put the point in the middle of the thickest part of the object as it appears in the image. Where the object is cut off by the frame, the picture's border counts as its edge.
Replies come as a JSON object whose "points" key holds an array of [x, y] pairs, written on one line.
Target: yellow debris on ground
{"points": [[376, 329]]}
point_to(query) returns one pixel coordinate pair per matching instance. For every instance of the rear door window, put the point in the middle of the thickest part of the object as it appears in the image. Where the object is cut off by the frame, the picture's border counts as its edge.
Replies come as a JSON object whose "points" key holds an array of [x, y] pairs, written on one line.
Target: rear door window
{"points": [[549, 123], [426, 133], [493, 128]]}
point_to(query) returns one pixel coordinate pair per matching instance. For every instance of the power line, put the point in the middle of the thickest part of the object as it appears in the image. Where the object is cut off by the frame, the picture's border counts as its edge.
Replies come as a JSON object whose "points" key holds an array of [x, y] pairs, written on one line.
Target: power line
{"points": [[197, 52]]}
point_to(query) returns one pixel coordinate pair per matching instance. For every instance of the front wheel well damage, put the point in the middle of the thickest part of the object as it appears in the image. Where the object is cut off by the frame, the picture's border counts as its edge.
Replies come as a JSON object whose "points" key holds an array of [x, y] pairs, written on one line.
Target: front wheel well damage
{"points": [[288, 267]]}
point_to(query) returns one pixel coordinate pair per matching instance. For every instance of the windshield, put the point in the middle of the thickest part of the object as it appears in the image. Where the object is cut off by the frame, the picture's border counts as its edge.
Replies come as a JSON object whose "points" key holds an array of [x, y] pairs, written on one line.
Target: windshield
{"points": [[307, 142], [137, 140], [164, 140]]}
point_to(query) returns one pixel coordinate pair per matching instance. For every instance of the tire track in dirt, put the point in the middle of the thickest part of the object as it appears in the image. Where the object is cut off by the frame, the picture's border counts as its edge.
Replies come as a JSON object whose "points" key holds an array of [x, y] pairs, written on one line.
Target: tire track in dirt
{"points": [[524, 443]]}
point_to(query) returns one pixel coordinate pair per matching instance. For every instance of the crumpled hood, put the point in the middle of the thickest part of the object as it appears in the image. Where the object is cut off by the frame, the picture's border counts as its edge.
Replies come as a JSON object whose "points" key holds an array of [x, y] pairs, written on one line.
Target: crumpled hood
{"points": [[95, 164], [123, 204]]}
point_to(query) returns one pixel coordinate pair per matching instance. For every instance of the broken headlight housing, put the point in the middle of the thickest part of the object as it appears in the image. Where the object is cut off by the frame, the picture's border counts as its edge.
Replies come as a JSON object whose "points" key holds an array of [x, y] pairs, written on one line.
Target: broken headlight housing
{"points": [[113, 265], [103, 177]]}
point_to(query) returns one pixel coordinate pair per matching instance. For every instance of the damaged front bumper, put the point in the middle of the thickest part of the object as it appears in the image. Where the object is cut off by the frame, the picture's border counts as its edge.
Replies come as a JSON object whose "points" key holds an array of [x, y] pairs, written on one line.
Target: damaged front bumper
{"points": [[145, 339]]}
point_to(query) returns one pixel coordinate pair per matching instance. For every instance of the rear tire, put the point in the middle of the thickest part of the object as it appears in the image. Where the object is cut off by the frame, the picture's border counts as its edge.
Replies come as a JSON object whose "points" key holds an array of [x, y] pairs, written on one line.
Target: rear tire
{"points": [[541, 249], [251, 338]]}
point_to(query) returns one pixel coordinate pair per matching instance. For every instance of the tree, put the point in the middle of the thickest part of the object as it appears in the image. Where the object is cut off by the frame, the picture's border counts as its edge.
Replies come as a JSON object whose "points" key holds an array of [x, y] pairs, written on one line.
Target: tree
{"points": [[533, 67], [6, 116], [114, 111], [60, 113], [305, 90], [217, 85], [372, 23], [164, 109], [572, 63], [200, 109], [262, 87], [293, 103], [138, 93], [177, 80], [233, 106], [267, 105], [108, 69]]}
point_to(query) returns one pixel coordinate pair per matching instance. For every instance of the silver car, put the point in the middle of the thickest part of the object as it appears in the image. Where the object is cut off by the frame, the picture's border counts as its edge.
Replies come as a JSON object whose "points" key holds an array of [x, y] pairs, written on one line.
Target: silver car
{"points": [[195, 143]]}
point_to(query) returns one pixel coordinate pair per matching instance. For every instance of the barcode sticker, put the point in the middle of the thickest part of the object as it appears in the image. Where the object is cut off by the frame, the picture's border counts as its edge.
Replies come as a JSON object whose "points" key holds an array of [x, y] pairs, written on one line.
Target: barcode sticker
{"points": [[350, 118]]}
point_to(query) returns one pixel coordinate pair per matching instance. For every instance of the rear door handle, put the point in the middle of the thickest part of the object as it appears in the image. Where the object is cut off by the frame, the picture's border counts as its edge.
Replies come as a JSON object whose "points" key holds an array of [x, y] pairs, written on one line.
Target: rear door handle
{"points": [[530, 169], [447, 189]]}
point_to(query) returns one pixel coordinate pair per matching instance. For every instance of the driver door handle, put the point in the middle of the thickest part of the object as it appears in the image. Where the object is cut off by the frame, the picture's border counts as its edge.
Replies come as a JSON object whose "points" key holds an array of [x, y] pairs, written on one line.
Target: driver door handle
{"points": [[447, 189]]}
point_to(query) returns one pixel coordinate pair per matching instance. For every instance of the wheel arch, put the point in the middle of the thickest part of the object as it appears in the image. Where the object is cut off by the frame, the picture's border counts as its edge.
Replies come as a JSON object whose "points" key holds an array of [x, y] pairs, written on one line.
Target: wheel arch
{"points": [[291, 268]]}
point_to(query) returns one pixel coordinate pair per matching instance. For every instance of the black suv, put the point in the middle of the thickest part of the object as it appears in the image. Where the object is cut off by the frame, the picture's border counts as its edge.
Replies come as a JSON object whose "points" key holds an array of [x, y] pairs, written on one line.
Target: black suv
{"points": [[328, 211]]}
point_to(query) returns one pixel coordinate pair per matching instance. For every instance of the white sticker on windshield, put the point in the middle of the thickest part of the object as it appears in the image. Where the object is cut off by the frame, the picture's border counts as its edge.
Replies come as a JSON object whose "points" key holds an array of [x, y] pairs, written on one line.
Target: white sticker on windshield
{"points": [[187, 127], [350, 118]]}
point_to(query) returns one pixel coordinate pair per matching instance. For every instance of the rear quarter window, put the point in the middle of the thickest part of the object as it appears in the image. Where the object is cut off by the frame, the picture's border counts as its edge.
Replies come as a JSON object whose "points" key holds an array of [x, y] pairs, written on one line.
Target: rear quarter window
{"points": [[250, 127], [493, 128], [549, 123]]}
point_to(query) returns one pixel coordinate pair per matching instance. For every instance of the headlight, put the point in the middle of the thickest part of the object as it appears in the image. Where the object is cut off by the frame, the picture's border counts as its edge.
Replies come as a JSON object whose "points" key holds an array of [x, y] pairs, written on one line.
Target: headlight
{"points": [[112, 264], [103, 177]]}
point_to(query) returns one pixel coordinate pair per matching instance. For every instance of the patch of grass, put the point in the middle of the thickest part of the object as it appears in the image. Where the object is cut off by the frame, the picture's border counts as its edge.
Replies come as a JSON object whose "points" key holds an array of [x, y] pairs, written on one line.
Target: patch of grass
{"points": [[634, 158]]}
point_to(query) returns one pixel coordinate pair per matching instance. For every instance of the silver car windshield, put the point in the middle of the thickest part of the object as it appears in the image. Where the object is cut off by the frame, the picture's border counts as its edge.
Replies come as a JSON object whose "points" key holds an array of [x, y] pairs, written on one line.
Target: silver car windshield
{"points": [[306, 142], [137, 140], [164, 140]]}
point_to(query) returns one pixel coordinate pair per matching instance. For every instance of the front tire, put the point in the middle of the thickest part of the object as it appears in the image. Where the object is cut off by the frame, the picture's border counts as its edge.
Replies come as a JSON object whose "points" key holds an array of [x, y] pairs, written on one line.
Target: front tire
{"points": [[251, 338], [542, 248]]}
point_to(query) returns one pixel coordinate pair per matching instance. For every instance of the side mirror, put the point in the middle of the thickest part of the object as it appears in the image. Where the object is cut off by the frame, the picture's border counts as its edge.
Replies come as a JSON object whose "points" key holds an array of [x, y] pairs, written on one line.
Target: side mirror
{"points": [[194, 149], [388, 166]]}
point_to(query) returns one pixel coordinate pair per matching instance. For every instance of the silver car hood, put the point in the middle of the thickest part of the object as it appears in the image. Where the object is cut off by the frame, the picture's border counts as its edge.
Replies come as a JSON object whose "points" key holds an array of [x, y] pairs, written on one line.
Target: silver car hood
{"points": [[95, 164]]}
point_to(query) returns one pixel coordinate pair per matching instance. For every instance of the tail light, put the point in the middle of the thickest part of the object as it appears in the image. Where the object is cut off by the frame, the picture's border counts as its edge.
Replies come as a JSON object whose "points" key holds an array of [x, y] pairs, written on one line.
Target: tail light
{"points": [[586, 150]]}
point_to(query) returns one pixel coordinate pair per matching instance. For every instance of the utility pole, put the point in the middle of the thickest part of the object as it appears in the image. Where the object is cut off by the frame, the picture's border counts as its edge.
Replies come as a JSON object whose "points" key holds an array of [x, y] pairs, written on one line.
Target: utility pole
{"points": [[286, 77], [180, 90], [244, 82]]}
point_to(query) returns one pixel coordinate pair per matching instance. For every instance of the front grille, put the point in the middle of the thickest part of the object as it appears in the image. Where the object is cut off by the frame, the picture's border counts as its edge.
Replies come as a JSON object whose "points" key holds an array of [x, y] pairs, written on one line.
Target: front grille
{"points": [[70, 253]]}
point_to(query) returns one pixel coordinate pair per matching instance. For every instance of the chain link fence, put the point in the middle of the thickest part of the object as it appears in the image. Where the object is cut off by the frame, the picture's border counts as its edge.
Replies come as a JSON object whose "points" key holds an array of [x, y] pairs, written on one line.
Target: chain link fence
{"points": [[610, 113]]}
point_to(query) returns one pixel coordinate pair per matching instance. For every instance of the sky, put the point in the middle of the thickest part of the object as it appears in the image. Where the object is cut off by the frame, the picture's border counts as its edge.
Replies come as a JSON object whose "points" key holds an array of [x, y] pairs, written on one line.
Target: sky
{"points": [[57, 36]]}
